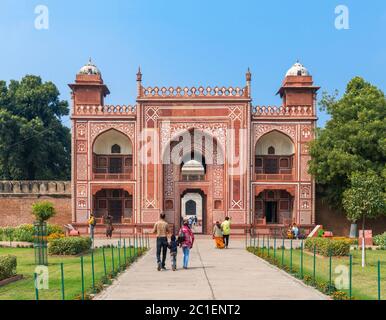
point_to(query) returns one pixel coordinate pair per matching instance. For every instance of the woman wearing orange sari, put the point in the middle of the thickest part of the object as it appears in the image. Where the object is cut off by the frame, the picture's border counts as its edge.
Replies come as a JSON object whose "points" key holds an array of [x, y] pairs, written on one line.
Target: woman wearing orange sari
{"points": [[218, 235]]}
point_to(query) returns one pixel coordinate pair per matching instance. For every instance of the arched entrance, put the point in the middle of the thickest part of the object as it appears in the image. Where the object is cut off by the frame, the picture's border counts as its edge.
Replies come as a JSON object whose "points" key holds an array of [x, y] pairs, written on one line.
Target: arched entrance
{"points": [[193, 206]]}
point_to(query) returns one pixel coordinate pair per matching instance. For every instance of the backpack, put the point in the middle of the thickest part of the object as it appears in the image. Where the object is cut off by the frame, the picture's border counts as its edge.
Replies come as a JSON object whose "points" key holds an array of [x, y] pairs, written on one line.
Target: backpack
{"points": [[181, 237]]}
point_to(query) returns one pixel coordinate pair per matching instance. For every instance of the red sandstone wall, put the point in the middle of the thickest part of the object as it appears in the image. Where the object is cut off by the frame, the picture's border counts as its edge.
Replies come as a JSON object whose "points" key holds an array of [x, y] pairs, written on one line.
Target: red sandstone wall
{"points": [[337, 222], [16, 210]]}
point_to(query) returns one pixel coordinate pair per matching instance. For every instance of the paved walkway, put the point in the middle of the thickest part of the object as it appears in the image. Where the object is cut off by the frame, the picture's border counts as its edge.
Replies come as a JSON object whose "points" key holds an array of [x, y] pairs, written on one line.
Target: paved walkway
{"points": [[231, 274]]}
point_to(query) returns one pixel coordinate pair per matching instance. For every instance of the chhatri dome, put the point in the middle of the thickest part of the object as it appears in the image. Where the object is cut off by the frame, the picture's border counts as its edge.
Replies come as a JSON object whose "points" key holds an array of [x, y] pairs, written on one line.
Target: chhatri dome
{"points": [[89, 68], [297, 70]]}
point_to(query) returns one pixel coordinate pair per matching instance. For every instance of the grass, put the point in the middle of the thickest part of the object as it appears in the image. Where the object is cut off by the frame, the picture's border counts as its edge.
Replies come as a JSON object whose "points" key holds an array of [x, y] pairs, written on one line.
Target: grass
{"points": [[25, 290], [364, 280]]}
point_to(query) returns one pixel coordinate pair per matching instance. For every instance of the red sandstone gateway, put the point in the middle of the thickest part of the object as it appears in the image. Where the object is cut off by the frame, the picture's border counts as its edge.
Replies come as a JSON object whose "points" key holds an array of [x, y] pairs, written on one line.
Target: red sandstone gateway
{"points": [[200, 152]]}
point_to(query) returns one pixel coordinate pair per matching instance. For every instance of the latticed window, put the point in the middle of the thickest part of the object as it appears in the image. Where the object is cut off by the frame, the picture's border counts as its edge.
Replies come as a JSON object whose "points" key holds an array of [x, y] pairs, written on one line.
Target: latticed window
{"points": [[271, 150]]}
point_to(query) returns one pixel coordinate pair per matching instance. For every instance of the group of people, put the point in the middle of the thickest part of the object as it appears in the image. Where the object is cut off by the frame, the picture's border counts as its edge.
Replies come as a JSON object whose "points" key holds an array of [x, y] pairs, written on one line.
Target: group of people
{"points": [[108, 221], [185, 240], [293, 231], [221, 233]]}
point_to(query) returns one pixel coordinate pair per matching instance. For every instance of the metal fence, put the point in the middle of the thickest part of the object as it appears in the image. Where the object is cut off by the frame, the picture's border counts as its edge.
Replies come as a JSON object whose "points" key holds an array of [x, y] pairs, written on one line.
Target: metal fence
{"points": [[341, 277], [91, 272]]}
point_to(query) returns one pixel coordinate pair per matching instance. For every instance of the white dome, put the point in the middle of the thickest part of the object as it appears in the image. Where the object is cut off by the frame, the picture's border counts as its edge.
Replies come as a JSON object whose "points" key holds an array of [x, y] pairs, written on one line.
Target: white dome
{"points": [[297, 70], [89, 68], [193, 167]]}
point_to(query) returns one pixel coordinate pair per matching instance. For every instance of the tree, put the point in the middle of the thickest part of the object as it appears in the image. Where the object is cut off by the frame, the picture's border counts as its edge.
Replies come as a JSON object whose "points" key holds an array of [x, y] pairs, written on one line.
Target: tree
{"points": [[353, 140], [34, 144], [364, 199], [43, 211]]}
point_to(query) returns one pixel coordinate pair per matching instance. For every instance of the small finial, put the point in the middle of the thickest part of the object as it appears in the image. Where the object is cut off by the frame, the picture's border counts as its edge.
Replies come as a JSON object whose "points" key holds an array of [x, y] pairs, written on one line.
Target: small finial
{"points": [[248, 75], [139, 74]]}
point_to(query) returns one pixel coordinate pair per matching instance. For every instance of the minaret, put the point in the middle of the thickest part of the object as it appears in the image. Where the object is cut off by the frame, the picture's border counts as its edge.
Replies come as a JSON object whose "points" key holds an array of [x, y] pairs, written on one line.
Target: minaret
{"points": [[139, 82], [248, 78], [89, 88], [297, 88]]}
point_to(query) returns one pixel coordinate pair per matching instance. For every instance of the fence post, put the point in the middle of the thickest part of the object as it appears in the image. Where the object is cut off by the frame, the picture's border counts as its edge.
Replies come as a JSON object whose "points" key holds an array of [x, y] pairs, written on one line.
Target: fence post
{"points": [[36, 286], [379, 280], [129, 248], [112, 260], [258, 242], [301, 260], [250, 239], [282, 253], [124, 252], [254, 242], [274, 248], [263, 244], [104, 261], [62, 279], [135, 245], [82, 275], [291, 257], [119, 256], [246, 239], [330, 271], [350, 278], [268, 244], [93, 271], [314, 267]]}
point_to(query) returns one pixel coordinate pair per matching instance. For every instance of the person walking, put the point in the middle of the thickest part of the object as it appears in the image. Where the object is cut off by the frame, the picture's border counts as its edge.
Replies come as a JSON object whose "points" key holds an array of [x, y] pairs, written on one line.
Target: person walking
{"points": [[186, 240], [218, 235], [161, 228], [92, 224], [226, 230], [109, 225], [173, 246]]}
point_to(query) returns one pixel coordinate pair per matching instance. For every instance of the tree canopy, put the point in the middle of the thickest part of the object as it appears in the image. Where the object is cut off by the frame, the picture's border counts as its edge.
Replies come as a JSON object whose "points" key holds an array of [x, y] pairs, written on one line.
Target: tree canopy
{"points": [[34, 144], [365, 198], [353, 140]]}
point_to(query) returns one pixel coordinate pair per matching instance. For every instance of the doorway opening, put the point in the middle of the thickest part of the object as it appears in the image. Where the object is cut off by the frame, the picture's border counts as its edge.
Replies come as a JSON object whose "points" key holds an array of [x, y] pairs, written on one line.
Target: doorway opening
{"points": [[193, 206]]}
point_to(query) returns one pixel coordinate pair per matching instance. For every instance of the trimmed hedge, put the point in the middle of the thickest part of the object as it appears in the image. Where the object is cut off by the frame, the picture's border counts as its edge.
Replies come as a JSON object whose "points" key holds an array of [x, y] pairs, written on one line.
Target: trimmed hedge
{"points": [[325, 246], [69, 245], [7, 267], [380, 240]]}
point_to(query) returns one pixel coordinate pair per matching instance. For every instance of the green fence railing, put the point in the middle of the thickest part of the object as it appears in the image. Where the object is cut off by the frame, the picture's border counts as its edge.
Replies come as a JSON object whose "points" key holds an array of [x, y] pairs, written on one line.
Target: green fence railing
{"points": [[342, 277]]}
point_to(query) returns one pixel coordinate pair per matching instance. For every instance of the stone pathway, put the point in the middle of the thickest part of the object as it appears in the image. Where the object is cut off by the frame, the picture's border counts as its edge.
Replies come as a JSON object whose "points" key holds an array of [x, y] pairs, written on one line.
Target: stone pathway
{"points": [[231, 274]]}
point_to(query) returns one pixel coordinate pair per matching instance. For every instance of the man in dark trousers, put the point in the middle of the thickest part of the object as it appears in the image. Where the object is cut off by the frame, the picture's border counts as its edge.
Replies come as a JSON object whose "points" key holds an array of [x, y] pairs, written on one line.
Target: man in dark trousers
{"points": [[161, 228]]}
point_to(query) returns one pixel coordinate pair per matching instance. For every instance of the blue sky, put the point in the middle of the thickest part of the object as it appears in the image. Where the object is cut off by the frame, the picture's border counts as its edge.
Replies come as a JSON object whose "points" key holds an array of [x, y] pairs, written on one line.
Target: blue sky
{"points": [[194, 43]]}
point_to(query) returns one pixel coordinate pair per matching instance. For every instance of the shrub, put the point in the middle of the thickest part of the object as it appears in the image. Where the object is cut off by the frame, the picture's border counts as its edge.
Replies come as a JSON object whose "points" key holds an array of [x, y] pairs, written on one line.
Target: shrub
{"points": [[24, 232], [54, 228], [69, 245], [43, 210], [7, 267], [54, 236], [325, 246], [380, 240]]}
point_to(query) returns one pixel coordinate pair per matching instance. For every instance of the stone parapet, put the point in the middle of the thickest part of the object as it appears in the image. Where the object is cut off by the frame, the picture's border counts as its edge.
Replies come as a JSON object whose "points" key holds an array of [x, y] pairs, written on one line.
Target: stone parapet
{"points": [[35, 188]]}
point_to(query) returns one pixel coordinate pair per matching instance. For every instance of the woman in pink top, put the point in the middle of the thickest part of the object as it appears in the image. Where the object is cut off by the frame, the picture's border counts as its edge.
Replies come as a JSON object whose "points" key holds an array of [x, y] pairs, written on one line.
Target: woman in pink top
{"points": [[186, 240]]}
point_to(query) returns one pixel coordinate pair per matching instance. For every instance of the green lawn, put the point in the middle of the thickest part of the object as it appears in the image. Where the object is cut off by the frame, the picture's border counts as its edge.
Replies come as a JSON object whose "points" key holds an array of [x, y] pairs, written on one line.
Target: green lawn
{"points": [[364, 280], [24, 289]]}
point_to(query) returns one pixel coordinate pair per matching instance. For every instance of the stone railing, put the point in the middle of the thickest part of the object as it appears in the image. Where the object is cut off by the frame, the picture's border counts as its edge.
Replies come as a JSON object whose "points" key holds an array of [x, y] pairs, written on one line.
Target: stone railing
{"points": [[193, 92], [282, 111], [35, 187], [107, 110]]}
